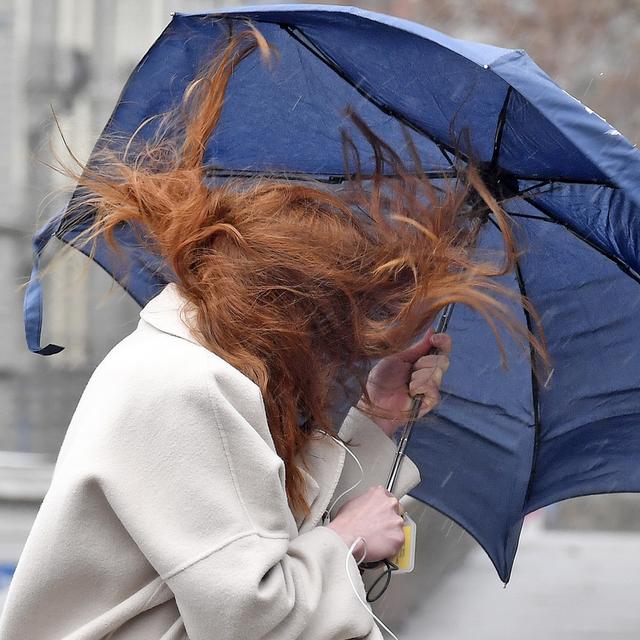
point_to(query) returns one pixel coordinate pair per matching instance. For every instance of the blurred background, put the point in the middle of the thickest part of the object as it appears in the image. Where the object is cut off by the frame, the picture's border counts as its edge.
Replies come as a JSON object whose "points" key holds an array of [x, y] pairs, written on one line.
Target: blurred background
{"points": [[577, 574]]}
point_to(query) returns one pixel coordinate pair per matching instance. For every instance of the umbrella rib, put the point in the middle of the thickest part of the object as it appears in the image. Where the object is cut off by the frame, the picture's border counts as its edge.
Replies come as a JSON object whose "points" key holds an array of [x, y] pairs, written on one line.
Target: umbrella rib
{"points": [[530, 217], [535, 390], [623, 266], [553, 183], [544, 183], [320, 177], [531, 189], [502, 120], [299, 36], [565, 180]]}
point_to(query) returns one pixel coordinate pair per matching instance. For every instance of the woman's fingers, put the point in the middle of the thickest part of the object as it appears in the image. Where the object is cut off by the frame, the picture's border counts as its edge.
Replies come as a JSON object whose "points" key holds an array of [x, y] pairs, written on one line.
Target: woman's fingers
{"points": [[397, 506], [430, 390], [428, 372], [432, 362], [442, 342], [422, 377]]}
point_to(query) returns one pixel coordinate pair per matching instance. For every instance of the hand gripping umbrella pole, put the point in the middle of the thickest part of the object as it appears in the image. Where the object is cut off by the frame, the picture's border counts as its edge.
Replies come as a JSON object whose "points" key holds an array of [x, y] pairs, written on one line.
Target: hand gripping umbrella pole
{"points": [[441, 327]]}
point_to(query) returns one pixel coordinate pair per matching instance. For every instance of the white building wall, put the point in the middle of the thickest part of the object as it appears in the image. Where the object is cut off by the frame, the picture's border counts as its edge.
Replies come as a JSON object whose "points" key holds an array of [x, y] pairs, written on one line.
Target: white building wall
{"points": [[72, 57]]}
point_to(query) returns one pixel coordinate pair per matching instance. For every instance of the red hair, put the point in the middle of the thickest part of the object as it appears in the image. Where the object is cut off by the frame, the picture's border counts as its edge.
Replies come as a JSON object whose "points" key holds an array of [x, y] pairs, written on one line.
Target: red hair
{"points": [[297, 286]]}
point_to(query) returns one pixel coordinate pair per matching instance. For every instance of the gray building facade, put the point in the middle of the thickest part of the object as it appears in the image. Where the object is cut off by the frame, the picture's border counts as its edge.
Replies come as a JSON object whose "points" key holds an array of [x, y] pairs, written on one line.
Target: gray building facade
{"points": [[69, 58]]}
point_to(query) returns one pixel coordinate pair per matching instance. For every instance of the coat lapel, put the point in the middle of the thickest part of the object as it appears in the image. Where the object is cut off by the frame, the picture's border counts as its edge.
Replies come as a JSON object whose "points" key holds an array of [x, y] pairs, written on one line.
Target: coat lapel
{"points": [[324, 463]]}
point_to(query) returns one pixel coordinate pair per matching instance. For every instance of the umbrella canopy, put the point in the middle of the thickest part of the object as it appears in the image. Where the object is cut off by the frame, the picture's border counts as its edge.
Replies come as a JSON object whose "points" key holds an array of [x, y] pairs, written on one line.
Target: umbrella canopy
{"points": [[501, 444]]}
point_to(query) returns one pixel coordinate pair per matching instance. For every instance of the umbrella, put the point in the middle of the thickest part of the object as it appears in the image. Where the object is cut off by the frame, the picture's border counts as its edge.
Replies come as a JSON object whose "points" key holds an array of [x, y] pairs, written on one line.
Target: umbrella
{"points": [[502, 443]]}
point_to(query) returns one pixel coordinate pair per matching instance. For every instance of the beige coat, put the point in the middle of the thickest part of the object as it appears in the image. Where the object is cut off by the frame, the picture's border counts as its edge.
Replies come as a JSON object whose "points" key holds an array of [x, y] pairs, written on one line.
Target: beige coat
{"points": [[167, 516]]}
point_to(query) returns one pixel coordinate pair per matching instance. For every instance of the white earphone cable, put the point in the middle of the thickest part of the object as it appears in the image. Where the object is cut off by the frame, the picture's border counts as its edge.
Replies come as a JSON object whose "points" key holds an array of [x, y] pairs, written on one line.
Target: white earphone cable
{"points": [[344, 493], [356, 541], [355, 590]]}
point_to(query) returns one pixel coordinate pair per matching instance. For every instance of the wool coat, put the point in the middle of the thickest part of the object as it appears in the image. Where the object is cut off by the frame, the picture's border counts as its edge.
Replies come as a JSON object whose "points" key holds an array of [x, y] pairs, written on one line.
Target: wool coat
{"points": [[167, 516]]}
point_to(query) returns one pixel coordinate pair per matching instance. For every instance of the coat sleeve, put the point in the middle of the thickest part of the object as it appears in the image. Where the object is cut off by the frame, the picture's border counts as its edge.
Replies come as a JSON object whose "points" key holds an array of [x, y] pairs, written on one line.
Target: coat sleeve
{"points": [[187, 465], [375, 452]]}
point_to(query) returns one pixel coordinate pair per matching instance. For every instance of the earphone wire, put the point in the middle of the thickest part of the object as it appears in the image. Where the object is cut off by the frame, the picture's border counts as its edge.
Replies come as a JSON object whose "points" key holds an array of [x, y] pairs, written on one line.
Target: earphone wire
{"points": [[355, 590], [357, 484], [356, 541]]}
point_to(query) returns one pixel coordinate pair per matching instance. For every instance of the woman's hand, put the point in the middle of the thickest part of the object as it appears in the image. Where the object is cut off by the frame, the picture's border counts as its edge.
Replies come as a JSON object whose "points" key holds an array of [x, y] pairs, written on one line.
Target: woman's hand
{"points": [[374, 516], [396, 379]]}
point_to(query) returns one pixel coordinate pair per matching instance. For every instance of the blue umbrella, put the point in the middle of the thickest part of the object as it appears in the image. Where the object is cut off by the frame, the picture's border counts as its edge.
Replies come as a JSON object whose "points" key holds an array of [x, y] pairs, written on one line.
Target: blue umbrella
{"points": [[503, 443]]}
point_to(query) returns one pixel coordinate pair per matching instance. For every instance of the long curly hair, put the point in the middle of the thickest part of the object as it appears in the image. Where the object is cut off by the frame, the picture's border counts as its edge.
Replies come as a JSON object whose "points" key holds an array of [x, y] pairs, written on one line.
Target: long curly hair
{"points": [[298, 285]]}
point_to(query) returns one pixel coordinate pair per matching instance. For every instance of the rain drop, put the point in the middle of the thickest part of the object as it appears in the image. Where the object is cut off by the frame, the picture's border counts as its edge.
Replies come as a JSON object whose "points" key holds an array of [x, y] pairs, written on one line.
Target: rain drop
{"points": [[449, 529], [446, 480]]}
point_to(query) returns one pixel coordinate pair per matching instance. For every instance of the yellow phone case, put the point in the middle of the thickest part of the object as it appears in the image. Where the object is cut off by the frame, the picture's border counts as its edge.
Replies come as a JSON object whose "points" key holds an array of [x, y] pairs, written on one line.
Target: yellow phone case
{"points": [[406, 557]]}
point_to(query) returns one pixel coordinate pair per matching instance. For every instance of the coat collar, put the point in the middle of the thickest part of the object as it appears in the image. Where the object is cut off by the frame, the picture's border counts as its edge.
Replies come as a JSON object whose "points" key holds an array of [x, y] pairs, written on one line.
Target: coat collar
{"points": [[167, 312]]}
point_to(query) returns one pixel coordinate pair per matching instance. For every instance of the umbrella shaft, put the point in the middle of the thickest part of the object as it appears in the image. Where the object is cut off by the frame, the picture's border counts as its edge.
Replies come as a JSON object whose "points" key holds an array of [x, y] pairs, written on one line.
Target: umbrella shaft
{"points": [[404, 441]]}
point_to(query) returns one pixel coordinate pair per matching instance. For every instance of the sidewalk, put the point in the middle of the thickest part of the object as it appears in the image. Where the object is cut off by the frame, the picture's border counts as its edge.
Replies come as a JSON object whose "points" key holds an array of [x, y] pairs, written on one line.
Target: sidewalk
{"points": [[565, 586]]}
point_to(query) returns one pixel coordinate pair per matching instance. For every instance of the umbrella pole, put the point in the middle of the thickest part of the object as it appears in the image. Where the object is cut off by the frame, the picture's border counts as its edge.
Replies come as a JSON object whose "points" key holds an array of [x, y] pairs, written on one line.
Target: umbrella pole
{"points": [[441, 327]]}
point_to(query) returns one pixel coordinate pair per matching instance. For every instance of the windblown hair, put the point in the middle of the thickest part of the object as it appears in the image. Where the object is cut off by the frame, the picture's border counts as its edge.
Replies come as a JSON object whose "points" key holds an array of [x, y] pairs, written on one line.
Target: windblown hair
{"points": [[299, 286]]}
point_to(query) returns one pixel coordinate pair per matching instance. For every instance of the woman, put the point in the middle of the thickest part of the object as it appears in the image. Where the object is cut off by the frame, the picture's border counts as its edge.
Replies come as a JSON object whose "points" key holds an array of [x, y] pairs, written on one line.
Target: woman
{"points": [[202, 490]]}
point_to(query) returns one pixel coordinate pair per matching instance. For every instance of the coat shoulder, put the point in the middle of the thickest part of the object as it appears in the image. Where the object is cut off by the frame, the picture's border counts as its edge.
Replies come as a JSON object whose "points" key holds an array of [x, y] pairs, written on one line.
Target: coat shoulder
{"points": [[153, 374], [154, 360]]}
